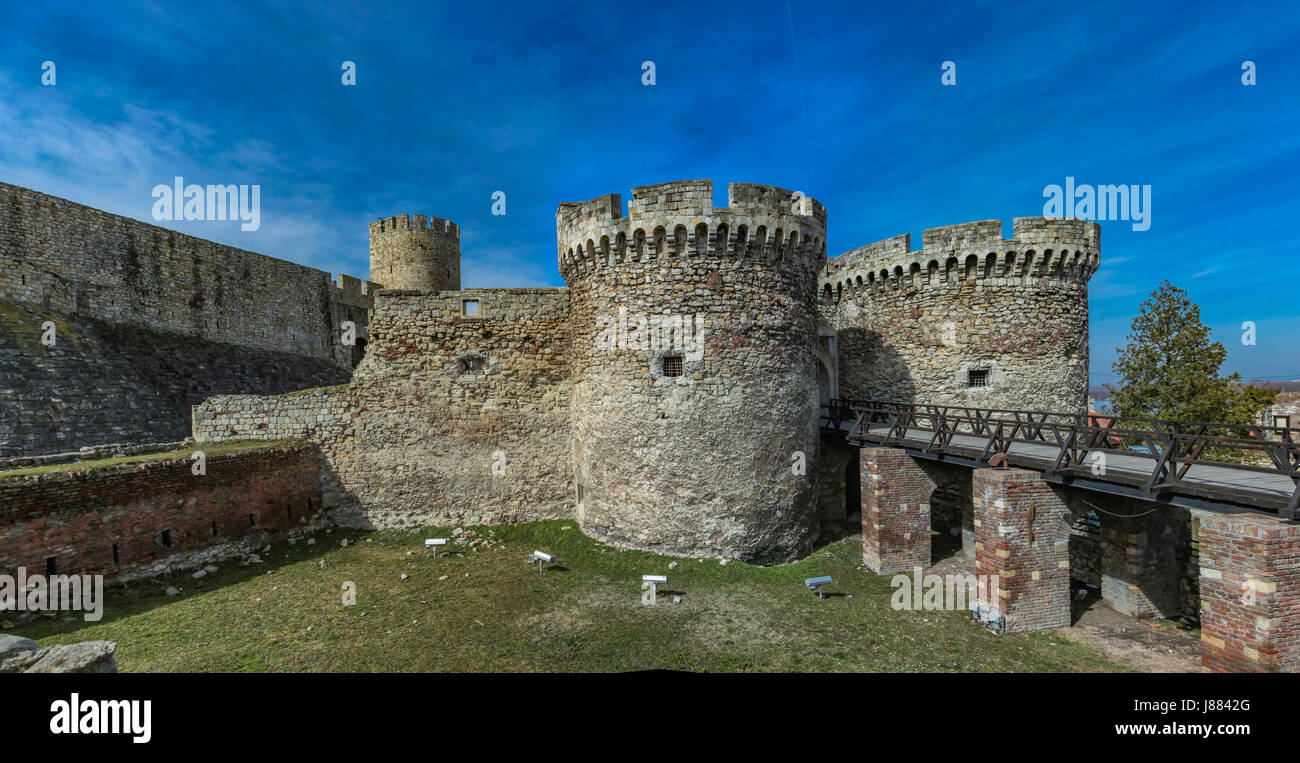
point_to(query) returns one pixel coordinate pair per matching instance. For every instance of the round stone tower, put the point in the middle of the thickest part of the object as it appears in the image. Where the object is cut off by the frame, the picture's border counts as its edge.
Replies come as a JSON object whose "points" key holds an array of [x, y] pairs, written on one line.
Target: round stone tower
{"points": [[970, 319], [695, 400], [415, 252]]}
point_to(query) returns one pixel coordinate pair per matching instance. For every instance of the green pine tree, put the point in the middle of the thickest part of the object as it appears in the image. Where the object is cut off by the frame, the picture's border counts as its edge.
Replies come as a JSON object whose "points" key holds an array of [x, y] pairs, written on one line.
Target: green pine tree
{"points": [[1170, 368]]}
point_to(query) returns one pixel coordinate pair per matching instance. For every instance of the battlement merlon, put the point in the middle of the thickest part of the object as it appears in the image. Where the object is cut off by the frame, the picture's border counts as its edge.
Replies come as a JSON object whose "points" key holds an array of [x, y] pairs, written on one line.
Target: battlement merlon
{"points": [[1048, 230], [351, 286], [1045, 237], [435, 225], [679, 217], [693, 198]]}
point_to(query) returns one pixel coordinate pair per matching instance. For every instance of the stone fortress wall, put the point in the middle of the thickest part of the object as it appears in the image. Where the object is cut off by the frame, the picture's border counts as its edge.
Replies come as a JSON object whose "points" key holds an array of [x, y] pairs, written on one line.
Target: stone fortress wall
{"points": [[668, 397], [451, 417], [701, 462], [913, 325], [149, 322], [68, 259]]}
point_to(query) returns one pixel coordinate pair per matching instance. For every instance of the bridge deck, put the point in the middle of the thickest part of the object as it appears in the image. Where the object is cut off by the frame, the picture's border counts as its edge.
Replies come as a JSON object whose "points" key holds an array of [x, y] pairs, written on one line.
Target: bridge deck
{"points": [[1125, 473]]}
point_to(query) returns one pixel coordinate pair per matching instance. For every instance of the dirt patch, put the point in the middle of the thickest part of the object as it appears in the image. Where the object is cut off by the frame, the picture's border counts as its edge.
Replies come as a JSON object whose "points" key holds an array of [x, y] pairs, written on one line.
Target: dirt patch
{"points": [[716, 620], [729, 622], [1144, 645]]}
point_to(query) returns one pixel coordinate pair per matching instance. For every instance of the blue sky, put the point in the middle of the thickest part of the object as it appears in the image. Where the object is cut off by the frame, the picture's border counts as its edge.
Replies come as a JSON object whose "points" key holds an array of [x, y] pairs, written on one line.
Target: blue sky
{"points": [[544, 101]]}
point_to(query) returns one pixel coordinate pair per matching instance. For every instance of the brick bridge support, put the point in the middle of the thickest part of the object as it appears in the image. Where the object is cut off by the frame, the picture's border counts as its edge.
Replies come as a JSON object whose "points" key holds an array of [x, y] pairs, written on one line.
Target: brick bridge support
{"points": [[896, 492], [1022, 537], [1250, 594], [895, 511], [1143, 549]]}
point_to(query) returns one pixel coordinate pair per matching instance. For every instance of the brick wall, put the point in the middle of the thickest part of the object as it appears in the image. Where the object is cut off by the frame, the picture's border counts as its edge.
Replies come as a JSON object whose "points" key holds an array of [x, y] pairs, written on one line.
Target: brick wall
{"points": [[1250, 594], [78, 516], [1144, 550], [895, 511], [1022, 537]]}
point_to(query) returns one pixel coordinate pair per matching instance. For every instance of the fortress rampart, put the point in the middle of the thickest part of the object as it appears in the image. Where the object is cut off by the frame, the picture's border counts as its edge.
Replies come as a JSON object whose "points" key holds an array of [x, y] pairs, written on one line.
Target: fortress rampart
{"points": [[148, 322], [970, 318], [61, 257], [1041, 248], [135, 519], [452, 417], [668, 397], [694, 386]]}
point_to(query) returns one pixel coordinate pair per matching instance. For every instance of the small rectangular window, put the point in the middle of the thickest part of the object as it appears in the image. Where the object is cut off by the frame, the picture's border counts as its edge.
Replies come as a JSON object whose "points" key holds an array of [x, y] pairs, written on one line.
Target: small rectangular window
{"points": [[469, 307], [672, 365], [977, 377]]}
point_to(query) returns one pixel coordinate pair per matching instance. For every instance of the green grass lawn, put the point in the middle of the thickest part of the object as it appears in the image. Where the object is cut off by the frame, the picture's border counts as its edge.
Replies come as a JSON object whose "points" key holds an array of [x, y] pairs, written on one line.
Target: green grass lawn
{"points": [[494, 612]]}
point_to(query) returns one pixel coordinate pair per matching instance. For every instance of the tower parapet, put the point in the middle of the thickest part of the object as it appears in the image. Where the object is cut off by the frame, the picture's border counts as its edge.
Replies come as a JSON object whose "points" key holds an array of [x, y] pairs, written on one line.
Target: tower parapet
{"points": [[1041, 248], [415, 252], [671, 221]]}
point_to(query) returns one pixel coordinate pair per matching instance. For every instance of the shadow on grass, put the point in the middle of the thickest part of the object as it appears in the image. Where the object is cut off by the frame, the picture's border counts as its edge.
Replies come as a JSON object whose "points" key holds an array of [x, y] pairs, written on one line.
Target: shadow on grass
{"points": [[835, 530], [130, 599]]}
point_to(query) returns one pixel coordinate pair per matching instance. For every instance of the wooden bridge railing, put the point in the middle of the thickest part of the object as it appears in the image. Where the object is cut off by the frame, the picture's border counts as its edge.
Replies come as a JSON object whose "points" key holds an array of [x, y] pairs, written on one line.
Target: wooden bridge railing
{"points": [[1174, 447]]}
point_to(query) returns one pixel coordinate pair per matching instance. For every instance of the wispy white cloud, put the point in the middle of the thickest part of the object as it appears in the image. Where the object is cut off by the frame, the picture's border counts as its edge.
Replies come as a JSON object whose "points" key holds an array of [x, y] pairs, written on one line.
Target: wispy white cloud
{"points": [[114, 163]]}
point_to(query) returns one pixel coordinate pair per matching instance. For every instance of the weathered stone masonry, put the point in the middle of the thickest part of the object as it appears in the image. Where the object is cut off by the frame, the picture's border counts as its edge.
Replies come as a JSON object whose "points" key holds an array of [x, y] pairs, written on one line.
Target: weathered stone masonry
{"points": [[149, 322], [415, 253], [701, 462], [913, 326], [451, 418]]}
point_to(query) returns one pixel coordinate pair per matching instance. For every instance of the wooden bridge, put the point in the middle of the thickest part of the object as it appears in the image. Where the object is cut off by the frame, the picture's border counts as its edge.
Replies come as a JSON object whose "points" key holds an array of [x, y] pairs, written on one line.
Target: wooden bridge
{"points": [[1214, 466]]}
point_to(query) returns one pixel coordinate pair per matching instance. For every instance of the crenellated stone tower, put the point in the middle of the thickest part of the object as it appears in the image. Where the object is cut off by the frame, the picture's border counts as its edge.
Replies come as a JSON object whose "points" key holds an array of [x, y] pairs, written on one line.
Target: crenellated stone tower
{"points": [[970, 319], [694, 410], [415, 252]]}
